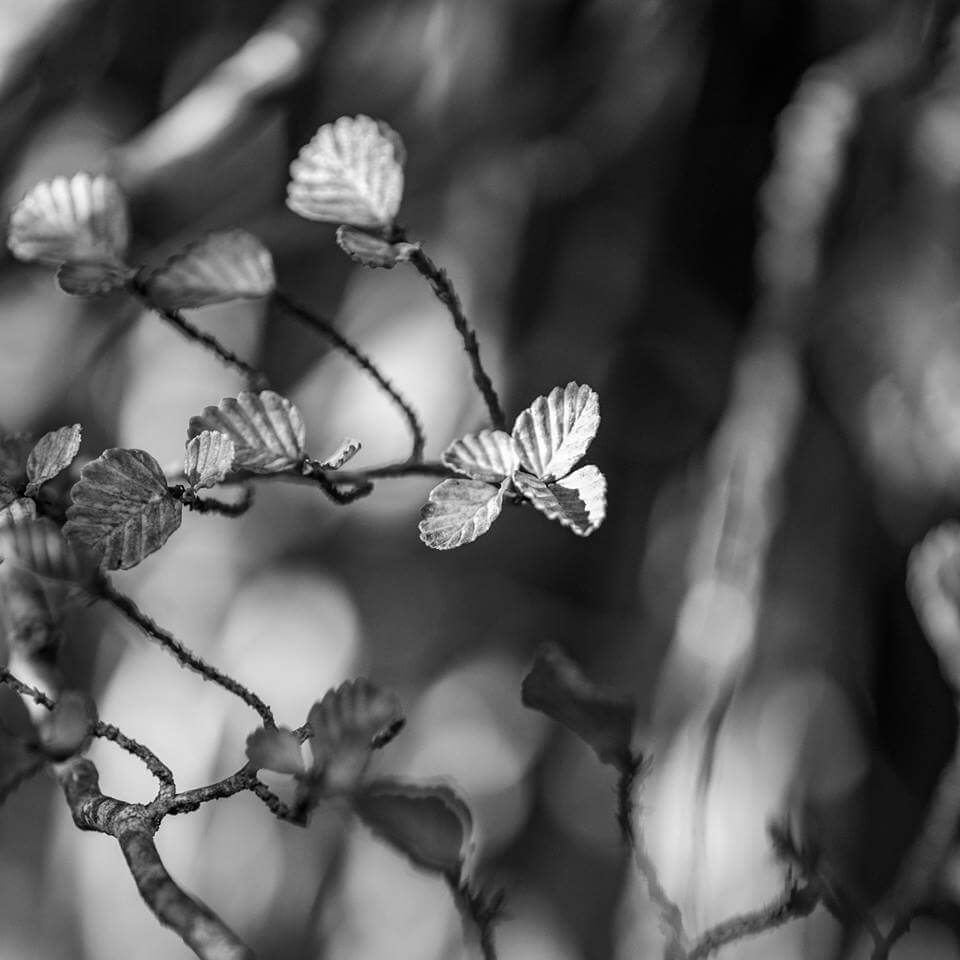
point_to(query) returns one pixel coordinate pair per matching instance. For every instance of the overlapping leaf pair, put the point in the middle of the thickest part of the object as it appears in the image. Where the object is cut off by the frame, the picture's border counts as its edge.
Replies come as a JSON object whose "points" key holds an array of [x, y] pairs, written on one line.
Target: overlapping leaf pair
{"points": [[548, 439], [81, 225], [25, 466]]}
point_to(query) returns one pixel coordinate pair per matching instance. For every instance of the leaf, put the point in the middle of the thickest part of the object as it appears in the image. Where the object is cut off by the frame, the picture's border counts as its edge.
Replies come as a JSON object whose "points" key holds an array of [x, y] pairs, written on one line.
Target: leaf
{"points": [[14, 450], [346, 725], [578, 501], [371, 251], [276, 749], [209, 459], [487, 455], [53, 453], [229, 265], [83, 217], [604, 719], [38, 546], [68, 729], [553, 433], [93, 278], [266, 429], [122, 509], [22, 509], [429, 823], [351, 172], [345, 452], [7, 495], [459, 511]]}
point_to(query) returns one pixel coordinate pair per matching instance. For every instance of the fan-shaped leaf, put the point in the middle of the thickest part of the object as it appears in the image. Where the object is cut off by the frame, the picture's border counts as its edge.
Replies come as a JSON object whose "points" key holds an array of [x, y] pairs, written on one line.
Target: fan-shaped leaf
{"points": [[68, 729], [345, 452], [553, 433], [266, 429], [209, 459], [93, 278], [38, 547], [230, 265], [351, 172], [22, 509], [122, 509], [276, 749], [82, 217], [933, 585], [53, 453], [578, 501], [487, 455], [347, 724], [429, 823], [459, 511], [556, 686], [371, 251]]}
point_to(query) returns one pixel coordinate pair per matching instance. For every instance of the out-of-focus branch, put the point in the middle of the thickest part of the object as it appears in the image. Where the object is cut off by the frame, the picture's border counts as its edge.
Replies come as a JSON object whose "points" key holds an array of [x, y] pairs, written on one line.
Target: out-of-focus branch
{"points": [[270, 62], [133, 827]]}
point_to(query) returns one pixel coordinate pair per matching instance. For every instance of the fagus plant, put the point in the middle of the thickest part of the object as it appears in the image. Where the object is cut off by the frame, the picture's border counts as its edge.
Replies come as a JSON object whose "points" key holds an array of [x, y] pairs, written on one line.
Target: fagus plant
{"points": [[60, 541]]}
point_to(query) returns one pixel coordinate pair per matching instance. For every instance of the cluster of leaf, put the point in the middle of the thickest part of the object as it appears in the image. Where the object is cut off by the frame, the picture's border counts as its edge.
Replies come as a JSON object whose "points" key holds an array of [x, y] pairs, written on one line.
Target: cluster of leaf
{"points": [[533, 463], [429, 823]]}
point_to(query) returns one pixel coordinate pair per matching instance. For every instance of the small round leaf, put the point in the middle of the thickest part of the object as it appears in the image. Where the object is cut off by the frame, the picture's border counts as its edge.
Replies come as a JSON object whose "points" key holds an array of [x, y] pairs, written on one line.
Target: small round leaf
{"points": [[351, 172], [553, 433], [459, 511], [276, 749], [371, 251], [209, 459], [83, 217], [578, 501], [230, 265], [345, 452], [267, 430], [53, 453], [488, 455], [93, 278], [122, 509], [429, 823]]}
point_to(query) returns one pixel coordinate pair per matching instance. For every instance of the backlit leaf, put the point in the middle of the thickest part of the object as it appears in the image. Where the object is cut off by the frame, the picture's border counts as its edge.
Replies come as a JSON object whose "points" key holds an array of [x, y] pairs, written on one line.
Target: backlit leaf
{"points": [[230, 265], [488, 455], [93, 278], [345, 452], [350, 173], [578, 501], [459, 511], [266, 429], [83, 217], [276, 749], [557, 687], [429, 823], [346, 725], [553, 433], [371, 251], [933, 585], [53, 453], [122, 509], [67, 730], [209, 459]]}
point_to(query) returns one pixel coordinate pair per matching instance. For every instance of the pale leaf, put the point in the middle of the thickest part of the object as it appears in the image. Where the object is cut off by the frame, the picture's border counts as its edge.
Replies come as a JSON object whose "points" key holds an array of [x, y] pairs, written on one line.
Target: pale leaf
{"points": [[578, 501], [553, 433], [93, 278], [429, 823], [51, 455], [349, 173], [267, 430], [604, 719], [83, 217], [488, 455], [122, 509], [459, 511], [209, 459], [275, 749], [230, 265], [345, 452], [38, 547], [371, 251]]}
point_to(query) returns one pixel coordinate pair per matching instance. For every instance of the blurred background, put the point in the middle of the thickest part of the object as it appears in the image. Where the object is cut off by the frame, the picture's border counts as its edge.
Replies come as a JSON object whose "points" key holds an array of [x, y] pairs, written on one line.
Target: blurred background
{"points": [[739, 221]]}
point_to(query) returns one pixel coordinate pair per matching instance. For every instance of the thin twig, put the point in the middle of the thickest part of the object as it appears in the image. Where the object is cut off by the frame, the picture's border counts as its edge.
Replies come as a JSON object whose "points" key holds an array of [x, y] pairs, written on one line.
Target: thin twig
{"points": [[163, 774], [222, 507], [190, 800], [329, 332], [183, 654], [446, 293]]}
